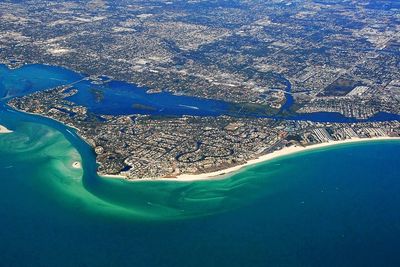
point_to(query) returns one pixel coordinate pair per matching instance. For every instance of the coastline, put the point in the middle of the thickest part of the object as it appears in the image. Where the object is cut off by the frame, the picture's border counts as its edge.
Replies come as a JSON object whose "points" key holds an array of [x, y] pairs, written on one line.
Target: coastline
{"points": [[224, 173], [4, 130], [201, 176]]}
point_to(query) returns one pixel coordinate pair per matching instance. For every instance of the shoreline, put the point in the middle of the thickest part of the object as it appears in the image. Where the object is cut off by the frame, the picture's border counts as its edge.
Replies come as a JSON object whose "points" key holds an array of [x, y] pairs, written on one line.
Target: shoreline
{"points": [[4, 130], [224, 173]]}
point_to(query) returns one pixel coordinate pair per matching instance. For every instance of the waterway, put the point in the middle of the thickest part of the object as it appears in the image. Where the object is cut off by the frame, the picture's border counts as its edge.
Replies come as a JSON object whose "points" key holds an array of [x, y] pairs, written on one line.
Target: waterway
{"points": [[121, 98], [336, 206]]}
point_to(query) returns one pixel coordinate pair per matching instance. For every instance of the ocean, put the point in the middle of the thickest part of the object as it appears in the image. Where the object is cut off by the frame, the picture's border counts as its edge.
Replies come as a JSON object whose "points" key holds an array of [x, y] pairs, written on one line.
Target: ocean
{"points": [[334, 206]]}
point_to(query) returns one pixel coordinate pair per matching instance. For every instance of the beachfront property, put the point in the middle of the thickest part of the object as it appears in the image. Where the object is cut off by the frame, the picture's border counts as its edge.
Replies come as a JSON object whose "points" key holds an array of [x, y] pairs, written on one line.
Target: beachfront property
{"points": [[128, 127], [142, 146]]}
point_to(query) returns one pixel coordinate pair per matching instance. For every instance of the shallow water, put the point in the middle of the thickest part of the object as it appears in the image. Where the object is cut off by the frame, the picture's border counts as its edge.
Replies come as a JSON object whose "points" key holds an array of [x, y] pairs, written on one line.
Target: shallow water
{"points": [[336, 206], [332, 207]]}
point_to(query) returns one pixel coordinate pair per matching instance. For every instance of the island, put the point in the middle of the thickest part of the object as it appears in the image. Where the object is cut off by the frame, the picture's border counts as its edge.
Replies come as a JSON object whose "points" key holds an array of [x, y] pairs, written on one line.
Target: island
{"points": [[4, 130], [149, 147]]}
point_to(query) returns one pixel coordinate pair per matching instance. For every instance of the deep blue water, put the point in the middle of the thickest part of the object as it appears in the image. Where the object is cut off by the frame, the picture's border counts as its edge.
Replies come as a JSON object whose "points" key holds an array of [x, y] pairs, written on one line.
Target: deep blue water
{"points": [[121, 98], [32, 78], [333, 207], [337, 207], [289, 98]]}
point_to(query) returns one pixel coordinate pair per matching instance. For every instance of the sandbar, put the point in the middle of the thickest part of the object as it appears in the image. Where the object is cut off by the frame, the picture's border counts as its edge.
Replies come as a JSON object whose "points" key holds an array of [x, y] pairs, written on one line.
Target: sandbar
{"points": [[76, 165], [4, 130]]}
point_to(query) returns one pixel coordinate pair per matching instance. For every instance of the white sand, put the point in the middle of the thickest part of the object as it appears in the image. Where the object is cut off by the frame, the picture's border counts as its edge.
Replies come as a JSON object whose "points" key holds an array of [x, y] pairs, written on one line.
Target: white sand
{"points": [[76, 165], [4, 130], [278, 153]]}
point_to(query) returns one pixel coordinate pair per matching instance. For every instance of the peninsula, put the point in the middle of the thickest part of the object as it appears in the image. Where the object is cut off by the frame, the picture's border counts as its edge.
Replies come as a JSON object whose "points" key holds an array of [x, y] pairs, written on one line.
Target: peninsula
{"points": [[142, 146], [171, 88]]}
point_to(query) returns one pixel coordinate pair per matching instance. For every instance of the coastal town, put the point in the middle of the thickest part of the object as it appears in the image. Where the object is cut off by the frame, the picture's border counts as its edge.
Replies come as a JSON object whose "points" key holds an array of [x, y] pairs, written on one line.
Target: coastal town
{"points": [[141, 146], [267, 62], [200, 133]]}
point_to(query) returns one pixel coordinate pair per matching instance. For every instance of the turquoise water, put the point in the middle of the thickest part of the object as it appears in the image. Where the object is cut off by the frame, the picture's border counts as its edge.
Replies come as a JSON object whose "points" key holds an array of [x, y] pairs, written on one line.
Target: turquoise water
{"points": [[337, 206]]}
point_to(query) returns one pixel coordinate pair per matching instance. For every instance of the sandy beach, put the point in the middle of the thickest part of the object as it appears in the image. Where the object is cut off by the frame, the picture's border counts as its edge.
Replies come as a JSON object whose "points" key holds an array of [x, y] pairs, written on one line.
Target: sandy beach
{"points": [[76, 165], [4, 130], [278, 153]]}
